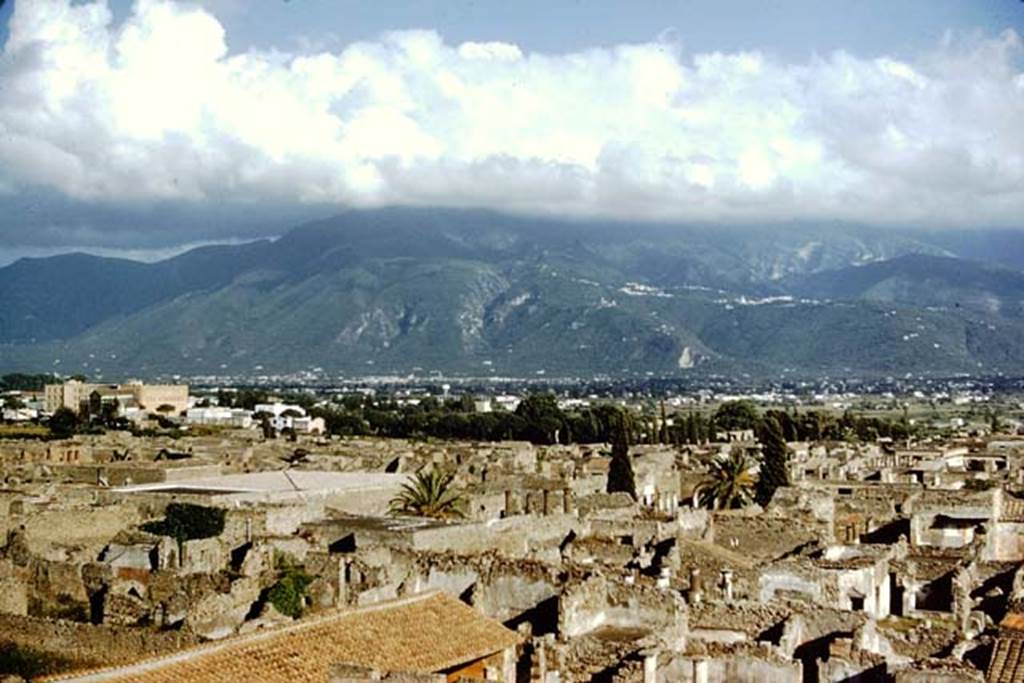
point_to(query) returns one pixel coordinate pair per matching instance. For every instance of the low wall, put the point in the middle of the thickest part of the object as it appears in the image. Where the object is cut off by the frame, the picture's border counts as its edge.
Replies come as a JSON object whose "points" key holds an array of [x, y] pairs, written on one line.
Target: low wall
{"points": [[97, 645]]}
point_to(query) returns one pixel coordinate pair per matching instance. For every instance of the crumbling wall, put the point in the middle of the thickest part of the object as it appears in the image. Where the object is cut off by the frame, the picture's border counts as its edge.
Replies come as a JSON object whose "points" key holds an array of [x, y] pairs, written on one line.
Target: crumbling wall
{"points": [[694, 524], [729, 667], [49, 532], [1005, 542], [503, 588], [791, 580], [13, 589], [598, 601], [751, 618], [520, 536], [947, 673], [88, 642]]}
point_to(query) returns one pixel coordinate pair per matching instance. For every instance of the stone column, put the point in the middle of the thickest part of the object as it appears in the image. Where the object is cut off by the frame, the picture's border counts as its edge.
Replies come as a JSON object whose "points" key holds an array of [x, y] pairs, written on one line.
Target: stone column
{"points": [[727, 584], [650, 666], [341, 599], [700, 671], [567, 506], [909, 597], [508, 665], [696, 589], [539, 661]]}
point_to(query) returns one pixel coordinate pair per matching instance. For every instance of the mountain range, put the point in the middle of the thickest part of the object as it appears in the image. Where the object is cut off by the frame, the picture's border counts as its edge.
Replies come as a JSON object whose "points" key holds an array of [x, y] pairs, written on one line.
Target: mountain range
{"points": [[400, 290]]}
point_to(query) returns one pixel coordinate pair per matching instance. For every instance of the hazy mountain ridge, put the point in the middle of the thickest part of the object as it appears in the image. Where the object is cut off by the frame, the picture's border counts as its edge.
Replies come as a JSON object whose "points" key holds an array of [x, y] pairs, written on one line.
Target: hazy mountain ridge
{"points": [[932, 281], [395, 290]]}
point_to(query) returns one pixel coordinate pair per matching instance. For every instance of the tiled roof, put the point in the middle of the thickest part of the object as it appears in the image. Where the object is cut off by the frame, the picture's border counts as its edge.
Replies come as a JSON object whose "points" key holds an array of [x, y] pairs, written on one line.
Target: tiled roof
{"points": [[1006, 665], [425, 633], [1013, 621], [1013, 509]]}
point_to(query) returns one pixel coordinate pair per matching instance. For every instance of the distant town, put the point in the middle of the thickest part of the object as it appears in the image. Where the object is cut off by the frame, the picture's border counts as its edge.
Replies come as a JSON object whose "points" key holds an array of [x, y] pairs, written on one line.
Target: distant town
{"points": [[382, 530]]}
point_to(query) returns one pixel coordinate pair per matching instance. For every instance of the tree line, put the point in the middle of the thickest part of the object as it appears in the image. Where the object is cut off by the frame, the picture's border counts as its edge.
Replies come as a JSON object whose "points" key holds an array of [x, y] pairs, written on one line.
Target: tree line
{"points": [[540, 420]]}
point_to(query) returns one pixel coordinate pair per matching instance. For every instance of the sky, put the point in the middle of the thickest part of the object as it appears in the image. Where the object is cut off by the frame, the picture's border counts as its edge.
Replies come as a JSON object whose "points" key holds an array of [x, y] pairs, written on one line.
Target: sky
{"points": [[143, 127]]}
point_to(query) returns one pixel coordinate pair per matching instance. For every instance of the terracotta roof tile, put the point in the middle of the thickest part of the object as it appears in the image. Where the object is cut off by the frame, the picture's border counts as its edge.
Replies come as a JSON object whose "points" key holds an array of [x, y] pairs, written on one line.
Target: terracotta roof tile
{"points": [[1007, 663], [425, 633]]}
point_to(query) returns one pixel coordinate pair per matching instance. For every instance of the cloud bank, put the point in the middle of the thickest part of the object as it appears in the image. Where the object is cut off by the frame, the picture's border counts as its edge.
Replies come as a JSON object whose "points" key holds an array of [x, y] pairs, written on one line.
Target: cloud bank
{"points": [[157, 109]]}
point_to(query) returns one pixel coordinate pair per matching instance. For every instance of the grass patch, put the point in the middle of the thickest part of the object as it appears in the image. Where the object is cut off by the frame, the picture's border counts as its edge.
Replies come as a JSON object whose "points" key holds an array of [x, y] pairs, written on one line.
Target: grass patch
{"points": [[24, 431]]}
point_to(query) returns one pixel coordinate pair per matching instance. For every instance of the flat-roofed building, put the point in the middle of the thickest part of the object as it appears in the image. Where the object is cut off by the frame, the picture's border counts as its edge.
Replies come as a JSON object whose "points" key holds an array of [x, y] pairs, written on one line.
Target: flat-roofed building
{"points": [[71, 394], [153, 397], [75, 395]]}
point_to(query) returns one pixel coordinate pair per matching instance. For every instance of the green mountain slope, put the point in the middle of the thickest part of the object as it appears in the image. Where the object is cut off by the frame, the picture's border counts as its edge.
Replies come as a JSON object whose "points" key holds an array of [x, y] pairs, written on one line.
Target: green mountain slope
{"points": [[420, 290], [922, 280]]}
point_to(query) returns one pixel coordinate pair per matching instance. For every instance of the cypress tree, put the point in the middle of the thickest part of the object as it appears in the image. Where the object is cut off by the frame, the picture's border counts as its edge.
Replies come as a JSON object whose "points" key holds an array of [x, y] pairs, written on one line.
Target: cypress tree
{"points": [[663, 432], [620, 470], [773, 464]]}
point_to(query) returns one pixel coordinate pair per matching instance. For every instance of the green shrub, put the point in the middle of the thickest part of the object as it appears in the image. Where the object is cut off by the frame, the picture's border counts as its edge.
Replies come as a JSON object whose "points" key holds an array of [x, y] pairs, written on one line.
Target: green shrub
{"points": [[288, 595]]}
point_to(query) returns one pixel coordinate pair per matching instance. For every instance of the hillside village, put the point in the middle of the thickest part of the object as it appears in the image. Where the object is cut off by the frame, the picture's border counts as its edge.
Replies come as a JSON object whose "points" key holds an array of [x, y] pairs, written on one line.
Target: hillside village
{"points": [[253, 545]]}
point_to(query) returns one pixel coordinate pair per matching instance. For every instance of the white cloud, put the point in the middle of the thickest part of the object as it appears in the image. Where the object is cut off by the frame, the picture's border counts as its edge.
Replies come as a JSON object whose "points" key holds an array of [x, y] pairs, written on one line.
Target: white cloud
{"points": [[157, 108]]}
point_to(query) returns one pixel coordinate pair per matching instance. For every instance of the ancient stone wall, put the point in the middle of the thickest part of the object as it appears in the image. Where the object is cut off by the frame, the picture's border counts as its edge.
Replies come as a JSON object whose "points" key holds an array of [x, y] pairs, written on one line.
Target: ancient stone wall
{"points": [[728, 668], [90, 643]]}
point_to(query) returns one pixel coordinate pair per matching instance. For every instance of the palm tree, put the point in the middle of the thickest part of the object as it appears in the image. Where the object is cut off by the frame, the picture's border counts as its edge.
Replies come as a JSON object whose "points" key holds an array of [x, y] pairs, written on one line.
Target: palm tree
{"points": [[729, 483], [428, 494]]}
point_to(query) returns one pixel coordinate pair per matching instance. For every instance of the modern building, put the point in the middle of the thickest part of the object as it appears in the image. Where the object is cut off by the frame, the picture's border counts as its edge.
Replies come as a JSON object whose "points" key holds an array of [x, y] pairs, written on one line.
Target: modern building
{"points": [[219, 416], [284, 416], [72, 394], [151, 398]]}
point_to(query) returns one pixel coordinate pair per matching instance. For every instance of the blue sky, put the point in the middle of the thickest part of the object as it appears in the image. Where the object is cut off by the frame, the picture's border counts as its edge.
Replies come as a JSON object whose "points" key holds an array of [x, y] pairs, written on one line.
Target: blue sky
{"points": [[792, 29], [153, 124]]}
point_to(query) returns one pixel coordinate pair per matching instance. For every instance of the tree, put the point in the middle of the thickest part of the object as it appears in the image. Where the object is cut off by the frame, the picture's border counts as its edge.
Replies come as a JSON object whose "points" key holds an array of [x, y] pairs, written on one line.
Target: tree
{"points": [[13, 403], [995, 426], [692, 429], [729, 483], [63, 423], [620, 470], [735, 415], [186, 522], [268, 429], [109, 411], [543, 417], [789, 431], [465, 403], [663, 430], [17, 381], [773, 463], [428, 493], [341, 422]]}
